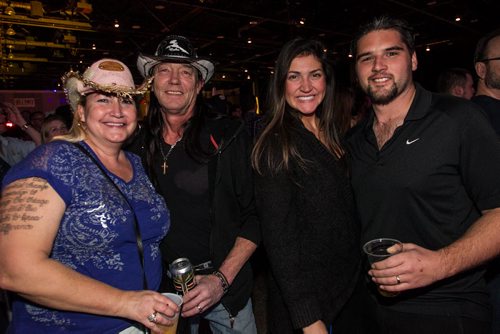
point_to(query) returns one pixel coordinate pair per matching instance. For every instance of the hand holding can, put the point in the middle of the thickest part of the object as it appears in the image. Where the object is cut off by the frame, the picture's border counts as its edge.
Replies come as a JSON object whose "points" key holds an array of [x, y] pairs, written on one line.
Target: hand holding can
{"points": [[182, 273]]}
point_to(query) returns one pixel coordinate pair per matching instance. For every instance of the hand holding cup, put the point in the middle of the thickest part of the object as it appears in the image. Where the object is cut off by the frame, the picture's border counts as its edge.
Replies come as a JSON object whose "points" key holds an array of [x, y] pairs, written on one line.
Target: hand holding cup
{"points": [[380, 249], [178, 300]]}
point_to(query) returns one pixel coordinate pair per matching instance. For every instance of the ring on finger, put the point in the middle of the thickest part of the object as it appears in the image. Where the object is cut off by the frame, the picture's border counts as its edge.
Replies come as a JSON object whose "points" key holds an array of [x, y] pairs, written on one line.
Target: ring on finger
{"points": [[199, 309], [152, 317], [398, 279]]}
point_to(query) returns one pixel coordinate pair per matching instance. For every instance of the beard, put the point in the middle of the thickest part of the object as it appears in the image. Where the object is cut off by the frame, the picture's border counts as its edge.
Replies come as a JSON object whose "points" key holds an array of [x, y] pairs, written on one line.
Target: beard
{"points": [[383, 97], [492, 79]]}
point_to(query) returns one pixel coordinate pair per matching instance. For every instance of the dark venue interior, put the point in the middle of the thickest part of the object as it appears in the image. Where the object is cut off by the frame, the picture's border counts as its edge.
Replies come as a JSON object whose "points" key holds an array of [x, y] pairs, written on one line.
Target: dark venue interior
{"points": [[43, 39]]}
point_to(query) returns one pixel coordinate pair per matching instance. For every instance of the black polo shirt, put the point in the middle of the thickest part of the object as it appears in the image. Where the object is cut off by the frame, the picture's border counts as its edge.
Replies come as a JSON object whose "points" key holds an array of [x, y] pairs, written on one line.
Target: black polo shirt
{"points": [[428, 185]]}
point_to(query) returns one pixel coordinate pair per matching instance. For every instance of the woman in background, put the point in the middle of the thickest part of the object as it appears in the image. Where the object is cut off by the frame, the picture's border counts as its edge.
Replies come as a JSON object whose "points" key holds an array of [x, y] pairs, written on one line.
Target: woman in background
{"points": [[304, 199], [53, 125]]}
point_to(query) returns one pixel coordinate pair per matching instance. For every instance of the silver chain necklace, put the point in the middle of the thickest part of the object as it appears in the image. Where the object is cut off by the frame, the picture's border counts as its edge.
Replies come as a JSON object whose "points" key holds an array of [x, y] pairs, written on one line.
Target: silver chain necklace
{"points": [[164, 165]]}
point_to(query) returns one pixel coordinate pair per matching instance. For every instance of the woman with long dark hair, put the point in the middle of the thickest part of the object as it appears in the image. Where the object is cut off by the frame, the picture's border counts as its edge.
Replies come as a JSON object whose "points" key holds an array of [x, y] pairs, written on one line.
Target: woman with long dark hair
{"points": [[304, 198]]}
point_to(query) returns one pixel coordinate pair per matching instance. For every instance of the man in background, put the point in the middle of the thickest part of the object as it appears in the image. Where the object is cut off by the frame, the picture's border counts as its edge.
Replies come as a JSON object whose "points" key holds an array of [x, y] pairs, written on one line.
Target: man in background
{"points": [[457, 82], [13, 150], [36, 119], [487, 64]]}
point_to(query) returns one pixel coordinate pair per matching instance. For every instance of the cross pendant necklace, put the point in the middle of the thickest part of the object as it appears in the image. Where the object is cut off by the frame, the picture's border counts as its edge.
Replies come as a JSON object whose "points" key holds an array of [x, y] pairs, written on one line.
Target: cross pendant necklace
{"points": [[164, 165]]}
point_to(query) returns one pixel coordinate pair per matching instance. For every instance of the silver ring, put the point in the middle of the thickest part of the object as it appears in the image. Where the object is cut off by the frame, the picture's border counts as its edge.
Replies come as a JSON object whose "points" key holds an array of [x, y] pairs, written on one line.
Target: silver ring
{"points": [[398, 279], [199, 309], [152, 317]]}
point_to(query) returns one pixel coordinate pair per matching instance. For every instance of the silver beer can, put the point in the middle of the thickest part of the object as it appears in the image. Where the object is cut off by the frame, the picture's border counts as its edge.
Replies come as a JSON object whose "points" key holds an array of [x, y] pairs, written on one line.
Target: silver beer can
{"points": [[182, 273]]}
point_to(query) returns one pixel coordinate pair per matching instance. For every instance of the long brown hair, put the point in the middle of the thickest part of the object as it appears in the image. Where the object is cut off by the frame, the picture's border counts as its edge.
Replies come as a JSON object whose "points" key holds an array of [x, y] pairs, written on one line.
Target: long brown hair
{"points": [[275, 146]]}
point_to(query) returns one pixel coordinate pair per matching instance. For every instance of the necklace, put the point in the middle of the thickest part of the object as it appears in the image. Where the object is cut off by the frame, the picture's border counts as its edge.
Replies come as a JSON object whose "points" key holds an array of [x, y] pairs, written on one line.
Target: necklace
{"points": [[164, 165]]}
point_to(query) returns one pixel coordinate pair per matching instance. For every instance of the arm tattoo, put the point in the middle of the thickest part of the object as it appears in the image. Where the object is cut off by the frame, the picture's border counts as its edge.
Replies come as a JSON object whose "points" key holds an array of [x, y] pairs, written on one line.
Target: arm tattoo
{"points": [[19, 204]]}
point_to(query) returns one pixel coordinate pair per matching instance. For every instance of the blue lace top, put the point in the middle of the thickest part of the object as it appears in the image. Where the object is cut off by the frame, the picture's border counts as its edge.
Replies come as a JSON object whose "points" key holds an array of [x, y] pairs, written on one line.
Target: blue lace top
{"points": [[96, 235]]}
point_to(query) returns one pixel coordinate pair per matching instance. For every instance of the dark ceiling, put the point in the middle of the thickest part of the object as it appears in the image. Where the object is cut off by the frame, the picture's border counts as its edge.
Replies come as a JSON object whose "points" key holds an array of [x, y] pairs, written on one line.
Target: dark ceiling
{"points": [[53, 36]]}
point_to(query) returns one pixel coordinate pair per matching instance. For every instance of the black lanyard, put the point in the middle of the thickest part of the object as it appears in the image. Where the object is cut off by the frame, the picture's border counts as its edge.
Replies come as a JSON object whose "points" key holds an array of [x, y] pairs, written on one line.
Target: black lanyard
{"points": [[136, 225]]}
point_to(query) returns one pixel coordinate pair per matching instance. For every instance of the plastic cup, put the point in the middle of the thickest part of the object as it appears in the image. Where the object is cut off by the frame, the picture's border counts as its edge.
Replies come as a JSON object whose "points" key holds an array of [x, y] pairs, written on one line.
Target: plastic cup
{"points": [[378, 250], [171, 329]]}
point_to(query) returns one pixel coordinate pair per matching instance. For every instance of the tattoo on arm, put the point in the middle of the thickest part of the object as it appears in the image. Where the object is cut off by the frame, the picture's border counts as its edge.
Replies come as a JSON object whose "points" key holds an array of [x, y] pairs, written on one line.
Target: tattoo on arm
{"points": [[19, 205]]}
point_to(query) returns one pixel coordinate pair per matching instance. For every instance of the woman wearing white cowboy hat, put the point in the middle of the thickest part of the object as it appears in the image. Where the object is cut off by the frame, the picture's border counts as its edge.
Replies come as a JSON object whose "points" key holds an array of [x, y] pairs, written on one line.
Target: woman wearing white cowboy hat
{"points": [[78, 217]]}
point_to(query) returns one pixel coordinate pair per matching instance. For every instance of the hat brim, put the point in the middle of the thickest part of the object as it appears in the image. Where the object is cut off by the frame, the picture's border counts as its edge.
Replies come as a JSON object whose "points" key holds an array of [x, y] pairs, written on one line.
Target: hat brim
{"points": [[145, 65], [75, 86]]}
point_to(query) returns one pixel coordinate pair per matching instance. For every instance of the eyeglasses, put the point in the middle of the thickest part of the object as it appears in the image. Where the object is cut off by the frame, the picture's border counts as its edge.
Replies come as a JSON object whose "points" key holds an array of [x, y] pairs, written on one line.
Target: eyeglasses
{"points": [[489, 59]]}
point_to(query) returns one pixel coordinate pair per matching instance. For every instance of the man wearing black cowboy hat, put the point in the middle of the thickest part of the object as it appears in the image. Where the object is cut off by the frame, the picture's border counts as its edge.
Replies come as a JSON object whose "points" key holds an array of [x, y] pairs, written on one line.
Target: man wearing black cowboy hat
{"points": [[199, 162]]}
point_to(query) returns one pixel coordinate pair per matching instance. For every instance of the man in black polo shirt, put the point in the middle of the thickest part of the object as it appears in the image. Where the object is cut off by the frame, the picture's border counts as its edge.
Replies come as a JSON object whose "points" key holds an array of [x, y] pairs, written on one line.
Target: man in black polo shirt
{"points": [[424, 171]]}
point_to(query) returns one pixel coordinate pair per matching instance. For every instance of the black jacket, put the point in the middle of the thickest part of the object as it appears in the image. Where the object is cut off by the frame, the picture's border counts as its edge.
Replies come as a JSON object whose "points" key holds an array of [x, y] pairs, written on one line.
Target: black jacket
{"points": [[232, 208]]}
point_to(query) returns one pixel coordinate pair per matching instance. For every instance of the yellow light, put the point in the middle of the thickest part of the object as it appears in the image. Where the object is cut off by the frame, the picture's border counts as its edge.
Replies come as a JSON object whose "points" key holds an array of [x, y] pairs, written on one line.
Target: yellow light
{"points": [[10, 31], [9, 11]]}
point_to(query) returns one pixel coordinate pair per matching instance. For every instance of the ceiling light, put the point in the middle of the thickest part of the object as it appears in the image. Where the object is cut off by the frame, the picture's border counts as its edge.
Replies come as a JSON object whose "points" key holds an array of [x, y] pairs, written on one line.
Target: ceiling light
{"points": [[349, 55], [93, 47], [457, 19], [10, 31], [249, 41], [9, 11], [427, 48], [302, 21], [136, 26], [117, 25]]}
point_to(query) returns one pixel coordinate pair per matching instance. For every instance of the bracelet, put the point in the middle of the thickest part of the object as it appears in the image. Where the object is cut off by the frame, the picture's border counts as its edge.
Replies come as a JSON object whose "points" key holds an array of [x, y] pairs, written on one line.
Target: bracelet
{"points": [[223, 280], [25, 126]]}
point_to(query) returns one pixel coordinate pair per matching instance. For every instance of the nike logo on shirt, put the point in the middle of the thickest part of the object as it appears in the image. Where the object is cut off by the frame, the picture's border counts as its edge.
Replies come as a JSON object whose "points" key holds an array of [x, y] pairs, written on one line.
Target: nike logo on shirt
{"points": [[409, 142]]}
